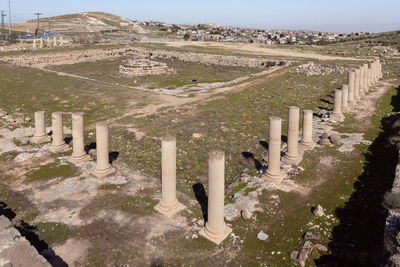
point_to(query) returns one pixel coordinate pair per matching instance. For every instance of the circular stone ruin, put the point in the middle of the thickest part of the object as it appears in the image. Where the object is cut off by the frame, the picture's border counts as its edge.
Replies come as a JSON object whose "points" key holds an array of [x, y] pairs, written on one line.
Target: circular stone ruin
{"points": [[143, 67]]}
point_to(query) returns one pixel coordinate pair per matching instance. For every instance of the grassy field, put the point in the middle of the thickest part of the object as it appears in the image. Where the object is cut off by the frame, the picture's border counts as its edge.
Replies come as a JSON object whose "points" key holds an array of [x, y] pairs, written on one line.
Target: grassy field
{"points": [[185, 73]]}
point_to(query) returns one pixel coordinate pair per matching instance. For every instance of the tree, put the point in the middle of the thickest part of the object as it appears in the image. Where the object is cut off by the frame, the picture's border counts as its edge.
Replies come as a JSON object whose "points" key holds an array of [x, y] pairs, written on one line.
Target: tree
{"points": [[186, 36]]}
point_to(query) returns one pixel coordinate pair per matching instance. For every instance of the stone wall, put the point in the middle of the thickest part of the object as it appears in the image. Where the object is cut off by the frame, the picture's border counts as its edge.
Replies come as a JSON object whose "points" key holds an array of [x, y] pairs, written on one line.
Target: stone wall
{"points": [[143, 67], [15, 250], [40, 60], [392, 229]]}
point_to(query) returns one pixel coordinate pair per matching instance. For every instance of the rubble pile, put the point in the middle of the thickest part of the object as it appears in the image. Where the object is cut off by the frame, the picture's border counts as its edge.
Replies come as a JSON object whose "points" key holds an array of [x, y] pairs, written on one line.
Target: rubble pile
{"points": [[312, 69]]}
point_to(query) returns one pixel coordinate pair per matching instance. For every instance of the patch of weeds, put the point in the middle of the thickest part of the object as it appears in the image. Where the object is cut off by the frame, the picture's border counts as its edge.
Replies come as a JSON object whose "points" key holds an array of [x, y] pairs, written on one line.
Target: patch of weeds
{"points": [[233, 192], [111, 186], [248, 190], [127, 203], [8, 156], [51, 171], [53, 233]]}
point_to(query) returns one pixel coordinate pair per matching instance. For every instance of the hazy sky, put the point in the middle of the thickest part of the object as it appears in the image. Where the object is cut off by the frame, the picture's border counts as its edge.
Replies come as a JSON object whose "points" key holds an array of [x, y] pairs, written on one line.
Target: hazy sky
{"points": [[323, 15]]}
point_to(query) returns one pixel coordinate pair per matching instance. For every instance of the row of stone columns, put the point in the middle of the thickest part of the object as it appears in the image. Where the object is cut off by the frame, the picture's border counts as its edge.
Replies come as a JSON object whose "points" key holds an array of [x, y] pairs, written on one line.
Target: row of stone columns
{"points": [[58, 145], [215, 228], [49, 43], [292, 155], [358, 84]]}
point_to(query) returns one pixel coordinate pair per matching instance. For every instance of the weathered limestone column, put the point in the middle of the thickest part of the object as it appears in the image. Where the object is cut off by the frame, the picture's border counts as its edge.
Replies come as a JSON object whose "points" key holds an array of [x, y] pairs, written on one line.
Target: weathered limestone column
{"points": [[375, 71], [362, 82], [306, 139], [356, 85], [58, 145], [78, 145], [40, 135], [345, 97], [274, 150], [292, 155], [48, 42], [61, 41], [34, 43], [55, 41], [103, 166], [380, 69], [366, 78], [371, 73], [216, 229], [168, 204], [350, 85], [337, 107], [41, 42]]}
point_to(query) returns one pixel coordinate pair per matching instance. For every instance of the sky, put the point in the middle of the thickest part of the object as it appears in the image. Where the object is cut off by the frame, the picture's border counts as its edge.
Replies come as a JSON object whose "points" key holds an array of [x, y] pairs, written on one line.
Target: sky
{"points": [[319, 15]]}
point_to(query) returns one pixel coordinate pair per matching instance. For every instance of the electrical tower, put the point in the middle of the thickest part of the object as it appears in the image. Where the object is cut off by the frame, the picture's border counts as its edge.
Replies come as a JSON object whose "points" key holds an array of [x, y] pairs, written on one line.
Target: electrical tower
{"points": [[37, 24], [2, 21]]}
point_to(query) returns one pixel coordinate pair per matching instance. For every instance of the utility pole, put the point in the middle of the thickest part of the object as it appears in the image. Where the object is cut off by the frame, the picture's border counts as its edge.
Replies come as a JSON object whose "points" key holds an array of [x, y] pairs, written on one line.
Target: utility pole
{"points": [[37, 24], [9, 15], [2, 21]]}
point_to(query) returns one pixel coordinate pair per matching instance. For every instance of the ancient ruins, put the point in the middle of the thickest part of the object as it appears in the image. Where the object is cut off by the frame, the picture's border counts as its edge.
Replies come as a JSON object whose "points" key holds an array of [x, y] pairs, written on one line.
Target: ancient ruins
{"points": [[143, 67]]}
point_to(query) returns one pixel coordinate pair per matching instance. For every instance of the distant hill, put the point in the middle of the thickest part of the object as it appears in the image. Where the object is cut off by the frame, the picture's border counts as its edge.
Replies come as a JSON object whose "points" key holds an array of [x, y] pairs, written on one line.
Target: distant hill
{"points": [[83, 23]]}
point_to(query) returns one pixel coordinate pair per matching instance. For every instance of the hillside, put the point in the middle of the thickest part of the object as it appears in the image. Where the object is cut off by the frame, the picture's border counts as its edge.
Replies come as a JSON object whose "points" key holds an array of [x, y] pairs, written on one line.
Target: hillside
{"points": [[82, 22]]}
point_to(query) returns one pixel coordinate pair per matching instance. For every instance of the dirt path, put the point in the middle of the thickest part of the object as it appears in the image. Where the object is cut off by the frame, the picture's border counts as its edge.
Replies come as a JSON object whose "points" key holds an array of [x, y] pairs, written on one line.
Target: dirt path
{"points": [[259, 49]]}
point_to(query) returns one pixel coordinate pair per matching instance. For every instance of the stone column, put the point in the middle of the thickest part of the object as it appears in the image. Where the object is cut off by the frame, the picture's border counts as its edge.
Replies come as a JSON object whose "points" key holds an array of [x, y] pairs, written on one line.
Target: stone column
{"points": [[273, 172], [168, 204], [345, 96], [371, 73], [48, 42], [307, 142], [55, 41], [351, 84], [58, 145], [337, 107], [380, 74], [356, 85], [41, 42], [61, 41], [375, 71], [34, 43], [78, 145], [366, 78], [362, 82], [103, 166], [40, 135], [216, 229], [292, 155]]}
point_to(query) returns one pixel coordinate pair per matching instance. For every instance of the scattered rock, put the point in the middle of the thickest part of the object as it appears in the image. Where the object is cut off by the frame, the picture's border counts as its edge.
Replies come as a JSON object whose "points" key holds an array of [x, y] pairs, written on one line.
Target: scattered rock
{"points": [[311, 235], [293, 255], [245, 178], [246, 214], [321, 248], [311, 69], [262, 236], [318, 211], [305, 252], [324, 139], [335, 138], [197, 135]]}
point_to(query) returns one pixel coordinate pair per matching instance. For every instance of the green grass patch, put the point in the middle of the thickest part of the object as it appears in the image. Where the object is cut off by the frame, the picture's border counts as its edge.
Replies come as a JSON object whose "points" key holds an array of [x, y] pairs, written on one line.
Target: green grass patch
{"points": [[51, 171]]}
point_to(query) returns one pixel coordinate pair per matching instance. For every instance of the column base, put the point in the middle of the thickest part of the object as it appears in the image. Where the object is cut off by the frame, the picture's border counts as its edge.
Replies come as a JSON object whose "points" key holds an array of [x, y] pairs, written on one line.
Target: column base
{"points": [[79, 159], [169, 211], [103, 173], [215, 239], [346, 109], [59, 148], [40, 139], [307, 145], [288, 160], [273, 178], [336, 116]]}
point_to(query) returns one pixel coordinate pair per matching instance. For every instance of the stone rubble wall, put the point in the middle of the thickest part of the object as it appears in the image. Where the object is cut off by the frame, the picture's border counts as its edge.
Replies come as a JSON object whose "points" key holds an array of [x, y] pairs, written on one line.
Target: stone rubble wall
{"points": [[392, 229], [143, 67], [41, 60], [311, 69], [15, 250]]}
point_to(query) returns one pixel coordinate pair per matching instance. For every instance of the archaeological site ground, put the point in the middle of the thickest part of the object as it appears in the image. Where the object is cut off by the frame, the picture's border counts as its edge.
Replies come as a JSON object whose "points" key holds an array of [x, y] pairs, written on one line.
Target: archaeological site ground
{"points": [[195, 153]]}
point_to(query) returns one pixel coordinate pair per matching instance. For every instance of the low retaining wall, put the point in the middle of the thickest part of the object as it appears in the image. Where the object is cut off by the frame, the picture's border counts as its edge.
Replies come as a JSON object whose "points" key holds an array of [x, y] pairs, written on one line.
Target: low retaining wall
{"points": [[392, 229]]}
